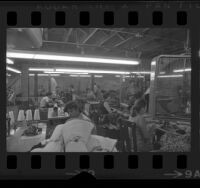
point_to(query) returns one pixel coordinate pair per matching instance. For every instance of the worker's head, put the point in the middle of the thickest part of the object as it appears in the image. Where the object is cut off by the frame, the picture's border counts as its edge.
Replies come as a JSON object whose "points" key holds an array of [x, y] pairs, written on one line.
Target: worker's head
{"points": [[139, 106], [49, 94], [73, 109]]}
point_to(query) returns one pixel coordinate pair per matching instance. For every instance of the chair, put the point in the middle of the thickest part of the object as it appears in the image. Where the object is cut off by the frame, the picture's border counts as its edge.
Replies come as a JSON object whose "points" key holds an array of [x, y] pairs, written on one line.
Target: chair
{"points": [[125, 141]]}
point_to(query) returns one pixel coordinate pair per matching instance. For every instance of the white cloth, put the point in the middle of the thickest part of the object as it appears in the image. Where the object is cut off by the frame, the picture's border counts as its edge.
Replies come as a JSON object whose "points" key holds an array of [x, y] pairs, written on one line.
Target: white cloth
{"points": [[87, 108], [29, 115], [21, 116], [76, 147], [12, 119], [147, 91], [95, 89], [100, 143], [50, 112], [37, 114]]}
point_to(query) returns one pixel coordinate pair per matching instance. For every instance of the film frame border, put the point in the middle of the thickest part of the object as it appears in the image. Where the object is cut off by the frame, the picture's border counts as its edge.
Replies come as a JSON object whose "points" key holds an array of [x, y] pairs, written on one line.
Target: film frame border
{"points": [[144, 169]]}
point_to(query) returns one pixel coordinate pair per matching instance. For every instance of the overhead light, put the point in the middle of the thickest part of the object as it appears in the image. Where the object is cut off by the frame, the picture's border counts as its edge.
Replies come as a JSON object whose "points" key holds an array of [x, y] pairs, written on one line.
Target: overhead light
{"points": [[9, 61], [74, 75], [13, 70], [153, 63], [91, 71], [45, 74], [48, 74], [142, 72], [182, 70], [56, 72], [162, 72], [59, 57], [98, 76], [83, 76], [40, 69], [118, 76], [171, 76], [20, 55], [8, 74]]}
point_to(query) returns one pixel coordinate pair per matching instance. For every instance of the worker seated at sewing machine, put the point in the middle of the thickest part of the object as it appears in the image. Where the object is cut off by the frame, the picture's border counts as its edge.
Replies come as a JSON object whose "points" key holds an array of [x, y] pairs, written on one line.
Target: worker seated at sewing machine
{"points": [[76, 135]]}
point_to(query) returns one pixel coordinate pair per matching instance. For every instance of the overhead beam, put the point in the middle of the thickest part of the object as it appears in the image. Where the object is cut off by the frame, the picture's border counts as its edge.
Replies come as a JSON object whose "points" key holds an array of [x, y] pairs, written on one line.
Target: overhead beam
{"points": [[89, 45], [107, 38], [90, 35], [124, 41], [66, 37], [149, 35]]}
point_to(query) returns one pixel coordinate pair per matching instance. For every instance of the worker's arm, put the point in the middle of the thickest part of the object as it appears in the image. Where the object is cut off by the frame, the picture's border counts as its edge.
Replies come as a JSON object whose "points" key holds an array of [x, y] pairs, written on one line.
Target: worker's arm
{"points": [[107, 106]]}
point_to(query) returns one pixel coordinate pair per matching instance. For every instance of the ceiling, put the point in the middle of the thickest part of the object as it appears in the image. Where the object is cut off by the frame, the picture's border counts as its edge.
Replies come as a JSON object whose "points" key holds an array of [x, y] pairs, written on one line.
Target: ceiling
{"points": [[143, 43], [113, 42]]}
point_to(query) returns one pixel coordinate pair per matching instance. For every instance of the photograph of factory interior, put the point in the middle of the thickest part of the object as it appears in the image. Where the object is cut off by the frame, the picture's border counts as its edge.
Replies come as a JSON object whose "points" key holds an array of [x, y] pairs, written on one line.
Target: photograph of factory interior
{"points": [[98, 90]]}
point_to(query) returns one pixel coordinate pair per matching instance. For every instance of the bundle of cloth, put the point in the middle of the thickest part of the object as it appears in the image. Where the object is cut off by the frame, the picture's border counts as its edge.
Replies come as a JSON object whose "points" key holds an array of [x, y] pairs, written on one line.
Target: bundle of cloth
{"points": [[75, 136]]}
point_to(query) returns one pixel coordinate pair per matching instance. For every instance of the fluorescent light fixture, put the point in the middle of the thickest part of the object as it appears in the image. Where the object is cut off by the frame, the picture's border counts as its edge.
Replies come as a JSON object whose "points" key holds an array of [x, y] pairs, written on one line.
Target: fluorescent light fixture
{"points": [[142, 72], [45, 74], [41, 69], [118, 76], [20, 55], [73, 75], [162, 72], [153, 63], [183, 70], [48, 74], [91, 71], [64, 72], [59, 57], [83, 76], [13, 70], [9, 61], [171, 76], [98, 76], [53, 72]]}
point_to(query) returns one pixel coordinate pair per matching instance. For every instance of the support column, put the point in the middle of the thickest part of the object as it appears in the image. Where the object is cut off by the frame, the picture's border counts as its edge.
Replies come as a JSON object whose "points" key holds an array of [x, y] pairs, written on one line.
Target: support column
{"points": [[92, 82], [36, 87], [24, 83], [49, 86]]}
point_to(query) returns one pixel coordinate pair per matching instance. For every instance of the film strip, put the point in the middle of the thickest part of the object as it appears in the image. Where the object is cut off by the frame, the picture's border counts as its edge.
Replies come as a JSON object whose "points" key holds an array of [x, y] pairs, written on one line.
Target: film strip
{"points": [[103, 165]]}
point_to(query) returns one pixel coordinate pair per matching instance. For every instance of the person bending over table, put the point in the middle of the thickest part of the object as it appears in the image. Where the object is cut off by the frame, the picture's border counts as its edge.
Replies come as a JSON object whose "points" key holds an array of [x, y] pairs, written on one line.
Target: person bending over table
{"points": [[143, 134]]}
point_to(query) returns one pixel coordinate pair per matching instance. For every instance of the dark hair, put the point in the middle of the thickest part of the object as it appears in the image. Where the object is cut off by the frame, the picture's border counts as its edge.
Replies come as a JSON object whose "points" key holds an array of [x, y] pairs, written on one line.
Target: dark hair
{"points": [[139, 104], [72, 105], [49, 94], [138, 95]]}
